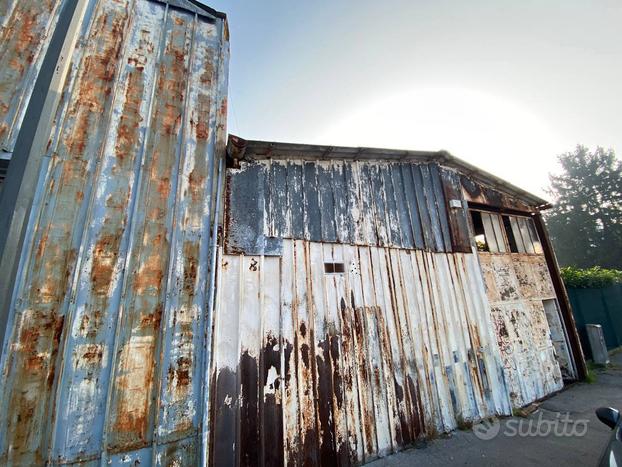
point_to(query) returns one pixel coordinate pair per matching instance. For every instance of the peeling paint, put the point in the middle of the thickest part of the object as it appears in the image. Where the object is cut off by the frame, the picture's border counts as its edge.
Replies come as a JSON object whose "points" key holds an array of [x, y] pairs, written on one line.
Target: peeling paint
{"points": [[343, 368], [107, 339]]}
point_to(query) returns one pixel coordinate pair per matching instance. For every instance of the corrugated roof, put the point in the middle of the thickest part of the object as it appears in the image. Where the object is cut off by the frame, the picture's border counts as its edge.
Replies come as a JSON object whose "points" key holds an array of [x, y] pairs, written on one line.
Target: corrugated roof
{"points": [[239, 148]]}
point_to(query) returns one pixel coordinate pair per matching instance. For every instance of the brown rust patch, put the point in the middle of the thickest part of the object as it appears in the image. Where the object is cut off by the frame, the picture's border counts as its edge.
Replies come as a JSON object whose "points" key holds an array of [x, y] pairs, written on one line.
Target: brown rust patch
{"points": [[152, 320], [104, 261], [191, 262], [179, 374]]}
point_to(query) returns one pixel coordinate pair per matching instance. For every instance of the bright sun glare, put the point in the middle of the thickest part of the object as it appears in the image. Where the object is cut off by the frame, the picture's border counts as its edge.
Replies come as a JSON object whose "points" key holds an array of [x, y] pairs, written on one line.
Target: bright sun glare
{"points": [[490, 132]]}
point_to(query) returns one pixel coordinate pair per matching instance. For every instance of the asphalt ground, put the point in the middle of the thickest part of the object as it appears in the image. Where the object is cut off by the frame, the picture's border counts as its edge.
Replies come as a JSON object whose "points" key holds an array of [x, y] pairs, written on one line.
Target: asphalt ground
{"points": [[562, 431]]}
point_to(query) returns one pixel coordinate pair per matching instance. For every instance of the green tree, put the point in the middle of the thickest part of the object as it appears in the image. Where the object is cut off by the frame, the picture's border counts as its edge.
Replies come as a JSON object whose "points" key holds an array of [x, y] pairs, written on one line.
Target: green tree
{"points": [[585, 223]]}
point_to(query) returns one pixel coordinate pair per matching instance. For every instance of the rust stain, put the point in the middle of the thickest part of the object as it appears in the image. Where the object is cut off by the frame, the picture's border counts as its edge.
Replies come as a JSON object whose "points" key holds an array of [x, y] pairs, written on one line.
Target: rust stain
{"points": [[104, 260], [23, 39]]}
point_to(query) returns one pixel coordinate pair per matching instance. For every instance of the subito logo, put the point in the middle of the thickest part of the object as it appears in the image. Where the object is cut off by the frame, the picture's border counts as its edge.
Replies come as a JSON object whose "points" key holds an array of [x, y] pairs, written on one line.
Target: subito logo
{"points": [[487, 430]]}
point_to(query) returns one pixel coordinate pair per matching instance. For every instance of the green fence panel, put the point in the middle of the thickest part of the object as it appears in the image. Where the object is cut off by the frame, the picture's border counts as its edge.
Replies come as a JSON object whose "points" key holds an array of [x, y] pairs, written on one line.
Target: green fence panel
{"points": [[598, 306]]}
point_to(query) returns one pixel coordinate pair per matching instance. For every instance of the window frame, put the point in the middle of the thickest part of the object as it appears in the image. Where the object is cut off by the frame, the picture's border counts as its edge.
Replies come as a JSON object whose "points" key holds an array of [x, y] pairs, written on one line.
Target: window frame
{"points": [[525, 239]]}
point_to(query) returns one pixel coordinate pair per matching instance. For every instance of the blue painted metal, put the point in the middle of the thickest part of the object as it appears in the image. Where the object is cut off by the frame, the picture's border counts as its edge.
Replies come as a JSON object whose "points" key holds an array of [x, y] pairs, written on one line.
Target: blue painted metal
{"points": [[107, 345], [25, 33]]}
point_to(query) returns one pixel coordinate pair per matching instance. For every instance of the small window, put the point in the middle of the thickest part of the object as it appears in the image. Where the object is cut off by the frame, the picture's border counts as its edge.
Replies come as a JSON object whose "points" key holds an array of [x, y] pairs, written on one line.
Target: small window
{"points": [[522, 235], [488, 233], [334, 268], [479, 232]]}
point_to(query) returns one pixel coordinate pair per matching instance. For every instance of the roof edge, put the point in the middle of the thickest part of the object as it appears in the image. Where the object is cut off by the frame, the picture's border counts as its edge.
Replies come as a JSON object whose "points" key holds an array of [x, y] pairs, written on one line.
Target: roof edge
{"points": [[240, 148], [195, 6]]}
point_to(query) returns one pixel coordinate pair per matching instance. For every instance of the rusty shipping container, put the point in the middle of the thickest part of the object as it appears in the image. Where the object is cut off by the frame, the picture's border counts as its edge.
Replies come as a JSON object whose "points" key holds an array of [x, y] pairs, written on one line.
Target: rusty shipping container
{"points": [[113, 115], [360, 310]]}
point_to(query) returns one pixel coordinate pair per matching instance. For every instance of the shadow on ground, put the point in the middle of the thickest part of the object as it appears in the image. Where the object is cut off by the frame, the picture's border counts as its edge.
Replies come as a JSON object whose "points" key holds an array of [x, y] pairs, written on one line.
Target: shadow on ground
{"points": [[566, 444]]}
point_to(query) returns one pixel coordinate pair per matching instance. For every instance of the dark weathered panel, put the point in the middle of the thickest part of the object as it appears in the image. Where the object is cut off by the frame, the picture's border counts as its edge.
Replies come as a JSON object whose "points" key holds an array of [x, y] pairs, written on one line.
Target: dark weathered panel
{"points": [[413, 208], [458, 220], [327, 202], [344, 201], [295, 200], [405, 227], [477, 192], [313, 215], [441, 205], [245, 209], [393, 221]]}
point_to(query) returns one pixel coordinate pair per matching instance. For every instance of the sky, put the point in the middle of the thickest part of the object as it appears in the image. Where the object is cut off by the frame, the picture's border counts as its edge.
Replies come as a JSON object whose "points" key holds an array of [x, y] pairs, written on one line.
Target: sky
{"points": [[504, 85]]}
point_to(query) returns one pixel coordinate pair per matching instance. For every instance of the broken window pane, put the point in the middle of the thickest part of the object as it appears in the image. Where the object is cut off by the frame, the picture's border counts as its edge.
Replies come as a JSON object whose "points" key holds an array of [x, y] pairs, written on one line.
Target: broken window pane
{"points": [[479, 232]]}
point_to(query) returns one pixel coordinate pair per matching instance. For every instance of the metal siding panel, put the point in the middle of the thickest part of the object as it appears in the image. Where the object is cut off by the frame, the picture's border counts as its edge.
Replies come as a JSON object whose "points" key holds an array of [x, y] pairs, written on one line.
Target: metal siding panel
{"points": [[295, 200], [368, 223], [362, 362], [383, 409], [323, 362], [327, 202], [412, 205], [313, 216], [422, 208], [306, 355], [27, 28], [401, 283], [271, 346], [401, 206], [224, 375], [103, 205], [393, 221], [132, 411], [248, 448], [334, 288], [89, 346], [349, 354], [432, 208], [482, 333], [182, 359], [363, 203], [402, 418], [417, 346], [41, 315], [441, 206], [517, 288], [354, 203], [437, 337], [343, 217], [458, 221], [378, 363], [289, 357], [245, 210], [280, 221], [379, 215]]}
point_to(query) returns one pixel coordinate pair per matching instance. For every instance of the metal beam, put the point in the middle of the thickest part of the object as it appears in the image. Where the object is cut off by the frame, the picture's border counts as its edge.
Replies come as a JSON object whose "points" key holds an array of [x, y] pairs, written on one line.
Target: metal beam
{"points": [[562, 296]]}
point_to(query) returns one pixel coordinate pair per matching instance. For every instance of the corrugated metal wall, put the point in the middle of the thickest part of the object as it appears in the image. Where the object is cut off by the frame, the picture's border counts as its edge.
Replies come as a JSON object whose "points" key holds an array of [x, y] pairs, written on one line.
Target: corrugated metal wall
{"points": [[25, 31], [516, 285], [105, 351], [315, 368], [352, 202]]}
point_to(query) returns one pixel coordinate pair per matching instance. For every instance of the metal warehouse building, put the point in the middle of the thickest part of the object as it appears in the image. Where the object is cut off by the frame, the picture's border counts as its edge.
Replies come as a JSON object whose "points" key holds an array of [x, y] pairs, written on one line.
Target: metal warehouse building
{"points": [[169, 298]]}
